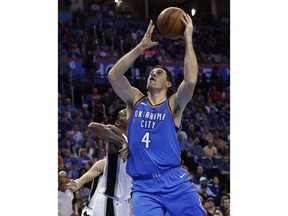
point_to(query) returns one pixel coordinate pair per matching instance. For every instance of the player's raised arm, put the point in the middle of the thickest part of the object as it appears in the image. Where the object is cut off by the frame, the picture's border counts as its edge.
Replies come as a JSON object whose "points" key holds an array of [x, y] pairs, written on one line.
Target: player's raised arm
{"points": [[92, 173], [119, 82], [186, 88]]}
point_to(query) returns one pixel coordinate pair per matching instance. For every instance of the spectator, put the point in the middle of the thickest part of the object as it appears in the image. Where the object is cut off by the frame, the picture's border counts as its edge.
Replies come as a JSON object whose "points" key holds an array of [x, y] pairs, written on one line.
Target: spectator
{"points": [[87, 137], [209, 105], [67, 113], [115, 103], [212, 207], [206, 135], [78, 120], [210, 150], [215, 94], [68, 136], [95, 96], [215, 186], [225, 207], [217, 212], [78, 202], [76, 134], [90, 149], [197, 148], [203, 123], [203, 193], [207, 206], [64, 125], [68, 146], [95, 9], [216, 78], [199, 97], [182, 139], [101, 153], [199, 173], [74, 170], [223, 113], [68, 159], [86, 113], [224, 169], [220, 144], [84, 158], [198, 187], [71, 107], [214, 120], [191, 130]]}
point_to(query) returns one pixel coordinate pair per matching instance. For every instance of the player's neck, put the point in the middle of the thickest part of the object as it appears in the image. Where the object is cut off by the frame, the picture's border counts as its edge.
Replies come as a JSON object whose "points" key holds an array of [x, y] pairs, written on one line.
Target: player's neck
{"points": [[156, 98], [125, 132]]}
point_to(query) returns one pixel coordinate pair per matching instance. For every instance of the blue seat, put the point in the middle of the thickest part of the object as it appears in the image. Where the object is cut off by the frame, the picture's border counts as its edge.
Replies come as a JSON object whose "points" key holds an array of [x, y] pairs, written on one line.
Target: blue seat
{"points": [[204, 160]]}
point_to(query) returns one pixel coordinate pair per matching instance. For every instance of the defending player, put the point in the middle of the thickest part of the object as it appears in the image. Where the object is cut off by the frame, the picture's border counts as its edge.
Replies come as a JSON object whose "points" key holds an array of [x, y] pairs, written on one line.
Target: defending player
{"points": [[114, 186]]}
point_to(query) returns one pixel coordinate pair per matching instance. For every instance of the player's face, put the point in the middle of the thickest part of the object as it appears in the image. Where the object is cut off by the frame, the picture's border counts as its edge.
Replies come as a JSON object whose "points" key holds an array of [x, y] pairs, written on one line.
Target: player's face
{"points": [[123, 117], [157, 78]]}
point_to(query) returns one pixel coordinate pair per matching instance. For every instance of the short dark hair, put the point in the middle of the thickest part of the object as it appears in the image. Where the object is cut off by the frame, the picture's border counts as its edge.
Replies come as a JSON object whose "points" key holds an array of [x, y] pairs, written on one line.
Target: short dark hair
{"points": [[115, 114], [169, 77]]}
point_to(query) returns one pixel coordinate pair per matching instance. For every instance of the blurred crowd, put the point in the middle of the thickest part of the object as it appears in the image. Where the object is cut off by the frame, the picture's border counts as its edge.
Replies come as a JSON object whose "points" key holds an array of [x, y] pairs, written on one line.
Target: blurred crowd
{"points": [[205, 135], [109, 38]]}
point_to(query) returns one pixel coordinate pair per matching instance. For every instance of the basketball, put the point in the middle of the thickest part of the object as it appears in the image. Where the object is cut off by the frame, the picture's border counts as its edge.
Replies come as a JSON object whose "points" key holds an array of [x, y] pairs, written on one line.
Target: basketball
{"points": [[169, 23]]}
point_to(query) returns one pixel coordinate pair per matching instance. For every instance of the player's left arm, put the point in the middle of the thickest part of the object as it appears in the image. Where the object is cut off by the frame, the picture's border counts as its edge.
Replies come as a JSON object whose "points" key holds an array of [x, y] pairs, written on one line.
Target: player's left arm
{"points": [[108, 132], [92, 173], [180, 99], [112, 134]]}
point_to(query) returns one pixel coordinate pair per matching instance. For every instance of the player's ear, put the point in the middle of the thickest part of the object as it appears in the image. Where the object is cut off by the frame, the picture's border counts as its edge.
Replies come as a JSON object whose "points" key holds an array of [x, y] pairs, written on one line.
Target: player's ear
{"points": [[117, 123], [169, 84]]}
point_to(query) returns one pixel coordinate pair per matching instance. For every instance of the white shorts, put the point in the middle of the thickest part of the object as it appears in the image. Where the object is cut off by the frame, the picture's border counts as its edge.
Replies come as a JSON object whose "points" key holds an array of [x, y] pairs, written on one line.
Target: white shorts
{"points": [[99, 207]]}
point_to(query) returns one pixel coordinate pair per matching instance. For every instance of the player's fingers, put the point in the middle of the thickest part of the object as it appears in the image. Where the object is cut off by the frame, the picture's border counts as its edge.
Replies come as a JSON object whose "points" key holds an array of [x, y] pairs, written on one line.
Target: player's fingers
{"points": [[155, 43], [70, 182], [184, 18], [152, 29], [124, 154], [188, 17], [149, 27]]}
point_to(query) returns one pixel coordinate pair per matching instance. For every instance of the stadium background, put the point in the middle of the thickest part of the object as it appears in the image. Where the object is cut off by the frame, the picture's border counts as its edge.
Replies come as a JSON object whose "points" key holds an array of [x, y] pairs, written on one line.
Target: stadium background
{"points": [[92, 35]]}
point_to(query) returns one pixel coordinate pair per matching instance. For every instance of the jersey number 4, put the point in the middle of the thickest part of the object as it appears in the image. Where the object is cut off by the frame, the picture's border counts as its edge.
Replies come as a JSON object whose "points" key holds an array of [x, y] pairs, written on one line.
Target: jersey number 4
{"points": [[146, 139]]}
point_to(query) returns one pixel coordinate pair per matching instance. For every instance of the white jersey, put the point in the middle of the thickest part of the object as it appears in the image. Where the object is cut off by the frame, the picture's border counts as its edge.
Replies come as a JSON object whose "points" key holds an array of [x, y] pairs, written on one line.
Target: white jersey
{"points": [[114, 184]]}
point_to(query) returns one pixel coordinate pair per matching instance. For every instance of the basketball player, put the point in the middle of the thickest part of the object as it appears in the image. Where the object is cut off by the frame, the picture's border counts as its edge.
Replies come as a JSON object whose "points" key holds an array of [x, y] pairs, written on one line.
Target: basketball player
{"points": [[160, 186], [114, 186]]}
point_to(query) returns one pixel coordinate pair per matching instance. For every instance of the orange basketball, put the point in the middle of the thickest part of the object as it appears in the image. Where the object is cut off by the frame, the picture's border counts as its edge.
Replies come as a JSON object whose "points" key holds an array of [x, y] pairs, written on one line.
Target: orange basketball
{"points": [[169, 23]]}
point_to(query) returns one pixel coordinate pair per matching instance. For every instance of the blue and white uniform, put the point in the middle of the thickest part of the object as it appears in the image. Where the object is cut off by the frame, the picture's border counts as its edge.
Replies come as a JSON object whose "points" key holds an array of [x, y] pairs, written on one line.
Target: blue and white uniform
{"points": [[160, 186], [112, 194]]}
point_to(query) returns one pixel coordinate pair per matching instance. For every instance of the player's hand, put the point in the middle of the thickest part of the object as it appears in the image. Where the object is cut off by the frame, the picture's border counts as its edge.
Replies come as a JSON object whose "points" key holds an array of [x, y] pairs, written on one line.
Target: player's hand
{"points": [[189, 26], [124, 151], [146, 41], [72, 185]]}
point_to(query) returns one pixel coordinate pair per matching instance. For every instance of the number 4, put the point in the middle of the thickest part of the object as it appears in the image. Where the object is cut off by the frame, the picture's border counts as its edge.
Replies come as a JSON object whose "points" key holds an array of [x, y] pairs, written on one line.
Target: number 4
{"points": [[146, 139]]}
